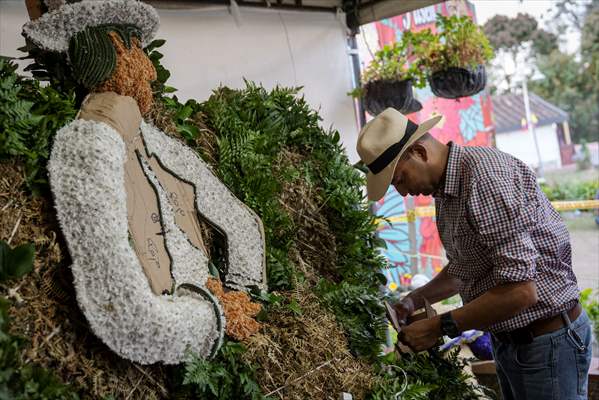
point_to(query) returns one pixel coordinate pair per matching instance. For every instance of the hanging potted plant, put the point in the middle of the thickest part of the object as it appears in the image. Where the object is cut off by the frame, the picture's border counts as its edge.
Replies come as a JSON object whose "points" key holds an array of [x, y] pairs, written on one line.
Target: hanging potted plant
{"points": [[454, 57], [388, 81]]}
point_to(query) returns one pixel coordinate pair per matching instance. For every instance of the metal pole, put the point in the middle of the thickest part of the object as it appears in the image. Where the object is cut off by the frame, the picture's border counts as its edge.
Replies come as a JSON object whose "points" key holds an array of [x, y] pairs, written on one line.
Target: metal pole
{"points": [[529, 123], [355, 62]]}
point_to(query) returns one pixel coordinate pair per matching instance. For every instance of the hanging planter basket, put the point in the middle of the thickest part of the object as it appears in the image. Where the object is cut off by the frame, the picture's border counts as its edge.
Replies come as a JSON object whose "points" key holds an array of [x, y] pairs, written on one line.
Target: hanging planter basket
{"points": [[381, 94], [453, 83]]}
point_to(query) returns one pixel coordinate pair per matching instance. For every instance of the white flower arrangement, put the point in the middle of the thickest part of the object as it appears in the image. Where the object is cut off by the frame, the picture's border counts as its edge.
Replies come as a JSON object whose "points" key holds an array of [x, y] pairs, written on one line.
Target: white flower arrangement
{"points": [[53, 30], [54, 4], [243, 228], [86, 171]]}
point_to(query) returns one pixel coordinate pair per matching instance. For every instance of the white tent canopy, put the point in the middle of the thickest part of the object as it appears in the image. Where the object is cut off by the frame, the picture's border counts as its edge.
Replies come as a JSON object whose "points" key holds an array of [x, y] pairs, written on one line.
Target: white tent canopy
{"points": [[359, 12]]}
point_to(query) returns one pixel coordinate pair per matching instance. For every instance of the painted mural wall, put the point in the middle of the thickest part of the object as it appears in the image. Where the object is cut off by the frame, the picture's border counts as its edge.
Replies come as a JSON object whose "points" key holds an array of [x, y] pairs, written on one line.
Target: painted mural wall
{"points": [[414, 247]]}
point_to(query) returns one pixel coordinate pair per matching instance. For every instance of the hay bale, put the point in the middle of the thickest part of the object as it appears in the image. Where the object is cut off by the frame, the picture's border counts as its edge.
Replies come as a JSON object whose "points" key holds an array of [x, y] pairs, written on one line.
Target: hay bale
{"points": [[305, 355], [45, 311]]}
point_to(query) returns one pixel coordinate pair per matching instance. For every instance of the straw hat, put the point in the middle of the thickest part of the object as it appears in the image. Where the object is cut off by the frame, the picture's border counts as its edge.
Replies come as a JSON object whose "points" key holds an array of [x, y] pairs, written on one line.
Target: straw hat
{"points": [[382, 142], [53, 30]]}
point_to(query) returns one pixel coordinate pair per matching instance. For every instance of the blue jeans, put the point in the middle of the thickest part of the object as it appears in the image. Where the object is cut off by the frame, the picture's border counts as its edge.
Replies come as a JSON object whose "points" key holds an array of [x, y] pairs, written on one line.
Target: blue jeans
{"points": [[555, 366]]}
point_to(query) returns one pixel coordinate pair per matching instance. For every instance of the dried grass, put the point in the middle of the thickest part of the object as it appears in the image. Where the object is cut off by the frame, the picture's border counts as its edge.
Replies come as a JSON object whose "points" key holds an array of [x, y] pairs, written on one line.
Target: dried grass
{"points": [[314, 239], [306, 356], [44, 309], [298, 356]]}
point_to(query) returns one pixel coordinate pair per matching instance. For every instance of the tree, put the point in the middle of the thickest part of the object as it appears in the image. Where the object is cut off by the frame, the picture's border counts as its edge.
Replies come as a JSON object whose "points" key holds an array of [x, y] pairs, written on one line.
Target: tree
{"points": [[514, 36], [573, 84], [570, 81]]}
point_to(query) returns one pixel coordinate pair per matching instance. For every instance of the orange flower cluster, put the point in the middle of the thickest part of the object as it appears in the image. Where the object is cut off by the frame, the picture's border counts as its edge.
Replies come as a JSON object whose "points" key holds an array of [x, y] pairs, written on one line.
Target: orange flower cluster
{"points": [[133, 73], [239, 311]]}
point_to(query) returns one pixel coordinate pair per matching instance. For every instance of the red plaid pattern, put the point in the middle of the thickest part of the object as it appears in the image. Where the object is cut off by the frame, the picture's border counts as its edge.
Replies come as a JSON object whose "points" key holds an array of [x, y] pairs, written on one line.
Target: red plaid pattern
{"points": [[498, 227]]}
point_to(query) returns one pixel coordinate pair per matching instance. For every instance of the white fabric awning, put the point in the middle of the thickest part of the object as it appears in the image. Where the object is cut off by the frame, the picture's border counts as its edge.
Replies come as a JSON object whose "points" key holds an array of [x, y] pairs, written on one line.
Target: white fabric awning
{"points": [[359, 12]]}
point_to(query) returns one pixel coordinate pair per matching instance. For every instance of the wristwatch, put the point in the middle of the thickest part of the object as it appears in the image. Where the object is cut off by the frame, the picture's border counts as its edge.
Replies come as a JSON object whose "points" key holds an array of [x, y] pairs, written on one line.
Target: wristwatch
{"points": [[449, 326]]}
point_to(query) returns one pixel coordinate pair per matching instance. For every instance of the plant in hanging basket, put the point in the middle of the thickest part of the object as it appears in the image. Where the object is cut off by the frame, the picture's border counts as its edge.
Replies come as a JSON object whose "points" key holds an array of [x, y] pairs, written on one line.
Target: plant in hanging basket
{"points": [[454, 58], [388, 80]]}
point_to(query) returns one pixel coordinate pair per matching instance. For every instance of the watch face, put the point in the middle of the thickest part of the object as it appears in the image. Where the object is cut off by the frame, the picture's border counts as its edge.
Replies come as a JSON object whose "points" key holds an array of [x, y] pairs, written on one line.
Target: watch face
{"points": [[449, 326]]}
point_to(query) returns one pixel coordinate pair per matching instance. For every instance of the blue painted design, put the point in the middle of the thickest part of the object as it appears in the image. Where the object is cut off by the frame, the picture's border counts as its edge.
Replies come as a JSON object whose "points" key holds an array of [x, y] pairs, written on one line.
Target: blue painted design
{"points": [[471, 120], [395, 235], [423, 94]]}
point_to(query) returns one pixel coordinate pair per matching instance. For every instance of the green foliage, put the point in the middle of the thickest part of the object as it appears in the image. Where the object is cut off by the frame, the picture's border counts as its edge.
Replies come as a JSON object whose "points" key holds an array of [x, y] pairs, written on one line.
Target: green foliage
{"points": [[15, 262], [429, 376], [584, 162], [253, 127], [359, 310], [571, 190], [511, 36], [54, 68], [591, 306], [392, 63], [570, 81], [29, 119], [458, 43], [162, 74], [573, 86], [224, 377], [16, 119]]}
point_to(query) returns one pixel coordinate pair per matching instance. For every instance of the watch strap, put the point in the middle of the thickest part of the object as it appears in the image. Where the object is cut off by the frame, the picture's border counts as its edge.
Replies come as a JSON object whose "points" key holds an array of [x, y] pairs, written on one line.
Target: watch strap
{"points": [[448, 326]]}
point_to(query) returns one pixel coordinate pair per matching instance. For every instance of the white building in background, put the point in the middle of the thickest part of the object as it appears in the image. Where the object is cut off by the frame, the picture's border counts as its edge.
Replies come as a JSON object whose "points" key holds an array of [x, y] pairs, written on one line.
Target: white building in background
{"points": [[550, 125]]}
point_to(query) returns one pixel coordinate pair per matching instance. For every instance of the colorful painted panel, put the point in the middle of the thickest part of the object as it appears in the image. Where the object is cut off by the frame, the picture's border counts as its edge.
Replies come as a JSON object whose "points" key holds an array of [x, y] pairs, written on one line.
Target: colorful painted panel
{"points": [[467, 121]]}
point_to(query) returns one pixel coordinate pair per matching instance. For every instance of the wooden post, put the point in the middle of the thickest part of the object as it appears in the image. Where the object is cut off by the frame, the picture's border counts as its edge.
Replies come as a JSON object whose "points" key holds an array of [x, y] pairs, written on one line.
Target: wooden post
{"points": [[409, 202], [35, 8]]}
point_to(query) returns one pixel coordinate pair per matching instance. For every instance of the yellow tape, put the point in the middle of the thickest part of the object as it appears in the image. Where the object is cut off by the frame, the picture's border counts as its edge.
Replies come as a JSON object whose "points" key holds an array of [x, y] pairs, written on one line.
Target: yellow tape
{"points": [[575, 205], [421, 212]]}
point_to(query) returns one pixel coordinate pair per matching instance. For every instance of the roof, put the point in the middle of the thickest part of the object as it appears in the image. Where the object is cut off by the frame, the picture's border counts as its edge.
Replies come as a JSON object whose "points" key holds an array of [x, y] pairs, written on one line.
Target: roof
{"points": [[358, 12], [509, 112]]}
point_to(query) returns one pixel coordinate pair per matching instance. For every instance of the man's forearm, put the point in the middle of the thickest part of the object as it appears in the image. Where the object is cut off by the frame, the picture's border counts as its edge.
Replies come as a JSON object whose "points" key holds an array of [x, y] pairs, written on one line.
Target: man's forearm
{"points": [[496, 305], [439, 288]]}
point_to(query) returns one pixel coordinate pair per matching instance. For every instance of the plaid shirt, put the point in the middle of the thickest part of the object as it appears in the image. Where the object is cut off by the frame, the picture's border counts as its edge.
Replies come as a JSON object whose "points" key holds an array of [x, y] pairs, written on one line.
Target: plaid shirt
{"points": [[498, 227]]}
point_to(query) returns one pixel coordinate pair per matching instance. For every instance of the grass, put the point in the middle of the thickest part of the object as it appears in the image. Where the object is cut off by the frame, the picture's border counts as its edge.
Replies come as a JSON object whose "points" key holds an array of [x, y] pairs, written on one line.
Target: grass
{"points": [[584, 221], [571, 175]]}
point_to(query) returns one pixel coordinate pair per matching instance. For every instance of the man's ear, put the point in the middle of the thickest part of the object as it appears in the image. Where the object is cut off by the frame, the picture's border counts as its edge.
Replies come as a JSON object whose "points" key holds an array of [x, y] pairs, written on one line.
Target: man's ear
{"points": [[419, 151]]}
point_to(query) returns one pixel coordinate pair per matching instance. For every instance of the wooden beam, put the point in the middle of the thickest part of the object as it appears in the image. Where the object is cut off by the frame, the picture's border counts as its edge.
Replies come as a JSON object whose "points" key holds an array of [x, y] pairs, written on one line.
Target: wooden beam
{"points": [[375, 10], [35, 8]]}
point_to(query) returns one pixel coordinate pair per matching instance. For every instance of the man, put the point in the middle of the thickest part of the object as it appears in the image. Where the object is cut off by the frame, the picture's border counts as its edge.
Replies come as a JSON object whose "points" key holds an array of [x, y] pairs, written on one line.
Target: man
{"points": [[509, 256]]}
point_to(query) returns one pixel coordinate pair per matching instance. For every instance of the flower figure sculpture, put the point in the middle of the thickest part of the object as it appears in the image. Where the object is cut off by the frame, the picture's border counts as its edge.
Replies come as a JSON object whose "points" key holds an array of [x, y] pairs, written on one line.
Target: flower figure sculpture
{"points": [[129, 197]]}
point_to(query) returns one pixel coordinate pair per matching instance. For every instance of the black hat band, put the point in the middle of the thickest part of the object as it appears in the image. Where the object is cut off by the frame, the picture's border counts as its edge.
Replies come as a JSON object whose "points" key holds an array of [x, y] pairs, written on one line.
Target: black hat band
{"points": [[392, 151]]}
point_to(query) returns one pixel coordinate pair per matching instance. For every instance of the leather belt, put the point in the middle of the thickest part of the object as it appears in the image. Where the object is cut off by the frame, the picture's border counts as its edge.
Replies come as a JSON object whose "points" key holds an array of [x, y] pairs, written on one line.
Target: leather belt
{"points": [[526, 334]]}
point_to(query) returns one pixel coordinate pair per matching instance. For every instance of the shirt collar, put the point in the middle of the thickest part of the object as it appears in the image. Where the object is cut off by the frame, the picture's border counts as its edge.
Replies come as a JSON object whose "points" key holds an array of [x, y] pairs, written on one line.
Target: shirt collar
{"points": [[451, 182]]}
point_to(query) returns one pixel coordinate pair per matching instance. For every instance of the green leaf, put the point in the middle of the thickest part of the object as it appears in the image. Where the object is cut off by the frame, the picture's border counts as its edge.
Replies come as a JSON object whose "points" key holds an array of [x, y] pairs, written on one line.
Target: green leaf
{"points": [[295, 307], [154, 45], [14, 263]]}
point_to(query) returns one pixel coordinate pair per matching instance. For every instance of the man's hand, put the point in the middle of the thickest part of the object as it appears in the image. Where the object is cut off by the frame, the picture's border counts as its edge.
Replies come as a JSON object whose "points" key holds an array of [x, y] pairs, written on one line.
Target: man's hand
{"points": [[404, 309], [422, 334]]}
